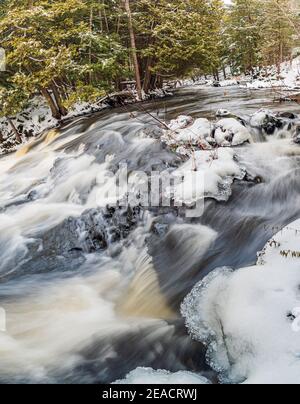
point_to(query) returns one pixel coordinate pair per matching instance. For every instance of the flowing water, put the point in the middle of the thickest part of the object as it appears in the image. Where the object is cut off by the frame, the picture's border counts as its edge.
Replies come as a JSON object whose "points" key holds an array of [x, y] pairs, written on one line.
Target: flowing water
{"points": [[92, 292]]}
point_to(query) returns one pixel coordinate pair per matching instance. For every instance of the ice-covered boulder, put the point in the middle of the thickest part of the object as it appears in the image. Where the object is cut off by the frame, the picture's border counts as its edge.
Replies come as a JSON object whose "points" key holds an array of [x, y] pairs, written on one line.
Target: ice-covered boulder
{"points": [[250, 318], [267, 121], [199, 130], [216, 175], [261, 117], [230, 132], [191, 134]]}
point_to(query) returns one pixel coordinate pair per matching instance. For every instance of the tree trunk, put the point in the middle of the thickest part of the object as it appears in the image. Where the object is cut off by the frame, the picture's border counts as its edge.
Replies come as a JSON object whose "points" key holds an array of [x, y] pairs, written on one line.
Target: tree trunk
{"points": [[133, 50], [159, 81], [14, 129], [105, 16], [148, 74], [90, 49], [54, 109], [62, 109], [224, 72]]}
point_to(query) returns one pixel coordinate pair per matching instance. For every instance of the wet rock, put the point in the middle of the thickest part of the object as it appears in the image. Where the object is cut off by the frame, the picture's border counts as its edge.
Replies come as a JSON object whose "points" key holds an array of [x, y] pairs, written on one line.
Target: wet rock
{"points": [[297, 139], [230, 132], [267, 121], [287, 115]]}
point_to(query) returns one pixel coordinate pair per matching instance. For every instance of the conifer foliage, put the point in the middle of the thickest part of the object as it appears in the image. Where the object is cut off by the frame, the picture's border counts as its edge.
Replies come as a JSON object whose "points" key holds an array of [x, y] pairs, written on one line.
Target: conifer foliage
{"points": [[80, 50]]}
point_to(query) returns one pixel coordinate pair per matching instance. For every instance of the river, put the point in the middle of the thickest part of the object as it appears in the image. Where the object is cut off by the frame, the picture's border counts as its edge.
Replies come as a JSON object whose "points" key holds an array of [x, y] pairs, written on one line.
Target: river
{"points": [[92, 293]]}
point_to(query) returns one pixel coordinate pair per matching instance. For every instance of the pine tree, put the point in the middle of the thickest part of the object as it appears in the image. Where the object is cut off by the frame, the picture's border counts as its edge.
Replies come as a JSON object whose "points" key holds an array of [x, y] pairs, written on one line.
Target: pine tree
{"points": [[243, 35], [57, 48], [176, 38], [278, 31]]}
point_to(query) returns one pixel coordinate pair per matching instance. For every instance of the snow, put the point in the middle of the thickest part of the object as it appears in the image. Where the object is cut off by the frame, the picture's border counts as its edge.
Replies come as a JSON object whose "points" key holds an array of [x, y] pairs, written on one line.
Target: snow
{"points": [[193, 134], [151, 376], [249, 318], [230, 132], [180, 123], [259, 117], [228, 83], [223, 113], [289, 77], [213, 178], [206, 134], [268, 77], [36, 119]]}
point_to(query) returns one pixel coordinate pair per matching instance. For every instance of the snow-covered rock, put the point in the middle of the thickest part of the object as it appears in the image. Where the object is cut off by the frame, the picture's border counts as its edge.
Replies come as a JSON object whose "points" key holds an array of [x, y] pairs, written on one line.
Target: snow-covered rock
{"points": [[185, 131], [282, 125], [205, 134], [180, 123], [214, 173], [198, 131], [259, 118], [230, 132], [250, 318], [222, 113], [151, 376]]}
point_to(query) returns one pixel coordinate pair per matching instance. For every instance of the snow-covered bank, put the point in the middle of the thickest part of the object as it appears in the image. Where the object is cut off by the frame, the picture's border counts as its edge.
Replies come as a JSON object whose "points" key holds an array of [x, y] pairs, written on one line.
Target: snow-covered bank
{"points": [[249, 318], [37, 117], [287, 79], [262, 78]]}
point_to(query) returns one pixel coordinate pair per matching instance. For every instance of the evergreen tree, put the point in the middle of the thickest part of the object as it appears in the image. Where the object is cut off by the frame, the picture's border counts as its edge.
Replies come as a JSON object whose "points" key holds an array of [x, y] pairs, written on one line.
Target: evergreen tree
{"points": [[243, 34], [57, 48], [278, 27]]}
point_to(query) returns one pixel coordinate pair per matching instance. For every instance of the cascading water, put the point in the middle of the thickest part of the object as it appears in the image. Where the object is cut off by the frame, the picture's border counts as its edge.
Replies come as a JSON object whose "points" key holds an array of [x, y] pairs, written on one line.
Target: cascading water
{"points": [[92, 292]]}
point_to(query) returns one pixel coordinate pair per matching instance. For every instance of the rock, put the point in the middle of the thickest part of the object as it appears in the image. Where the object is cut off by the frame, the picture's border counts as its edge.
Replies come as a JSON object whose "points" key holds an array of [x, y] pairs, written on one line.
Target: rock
{"points": [[297, 139], [267, 121], [194, 134], [230, 132], [181, 122], [260, 117], [287, 115], [223, 113]]}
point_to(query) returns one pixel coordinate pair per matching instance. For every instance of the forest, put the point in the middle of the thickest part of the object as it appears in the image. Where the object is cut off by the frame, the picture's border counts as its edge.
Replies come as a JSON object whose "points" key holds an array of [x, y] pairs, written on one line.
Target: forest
{"points": [[81, 50]]}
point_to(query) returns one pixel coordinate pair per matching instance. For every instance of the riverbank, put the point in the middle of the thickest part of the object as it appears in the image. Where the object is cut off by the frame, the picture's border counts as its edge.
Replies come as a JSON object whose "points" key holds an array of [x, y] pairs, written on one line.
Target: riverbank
{"points": [[37, 117], [287, 78]]}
